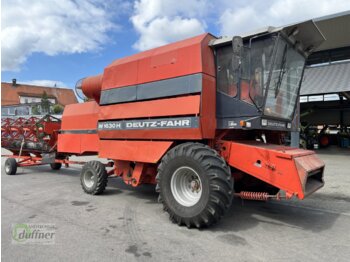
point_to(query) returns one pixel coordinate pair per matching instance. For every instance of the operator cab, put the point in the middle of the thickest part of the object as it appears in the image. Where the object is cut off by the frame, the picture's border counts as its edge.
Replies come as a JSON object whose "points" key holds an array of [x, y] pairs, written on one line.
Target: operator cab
{"points": [[259, 76]]}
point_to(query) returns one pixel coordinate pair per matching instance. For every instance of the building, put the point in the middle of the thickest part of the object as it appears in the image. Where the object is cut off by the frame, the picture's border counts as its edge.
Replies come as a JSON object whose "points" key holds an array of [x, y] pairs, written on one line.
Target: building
{"points": [[21, 99], [325, 90]]}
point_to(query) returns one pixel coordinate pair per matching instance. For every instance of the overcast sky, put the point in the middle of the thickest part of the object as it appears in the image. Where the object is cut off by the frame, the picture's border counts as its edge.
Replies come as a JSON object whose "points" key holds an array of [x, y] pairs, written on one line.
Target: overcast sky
{"points": [[61, 41]]}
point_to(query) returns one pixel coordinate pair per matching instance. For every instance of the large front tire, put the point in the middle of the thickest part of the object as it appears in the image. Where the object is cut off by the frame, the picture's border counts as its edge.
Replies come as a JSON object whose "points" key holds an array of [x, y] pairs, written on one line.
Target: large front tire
{"points": [[194, 185], [93, 177]]}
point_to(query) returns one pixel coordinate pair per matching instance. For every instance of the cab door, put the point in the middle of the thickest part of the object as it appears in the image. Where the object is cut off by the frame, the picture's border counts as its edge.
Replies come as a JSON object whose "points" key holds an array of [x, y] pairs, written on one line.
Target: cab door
{"points": [[233, 91]]}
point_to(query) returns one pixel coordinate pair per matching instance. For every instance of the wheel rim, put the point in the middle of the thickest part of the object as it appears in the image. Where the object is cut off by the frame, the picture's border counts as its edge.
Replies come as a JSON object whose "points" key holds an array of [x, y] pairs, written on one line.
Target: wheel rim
{"points": [[89, 179], [7, 168], [186, 186]]}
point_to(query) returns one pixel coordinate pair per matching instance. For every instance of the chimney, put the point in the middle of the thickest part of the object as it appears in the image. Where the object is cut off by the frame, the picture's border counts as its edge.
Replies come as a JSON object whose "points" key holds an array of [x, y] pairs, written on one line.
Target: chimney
{"points": [[14, 82]]}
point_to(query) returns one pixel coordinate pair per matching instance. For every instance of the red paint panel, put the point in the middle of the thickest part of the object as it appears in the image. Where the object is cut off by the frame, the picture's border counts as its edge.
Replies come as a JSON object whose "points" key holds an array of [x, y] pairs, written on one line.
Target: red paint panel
{"points": [[77, 143], [120, 75], [80, 116], [306, 164], [138, 151], [185, 57], [89, 143], [132, 58], [83, 116], [68, 143], [270, 164], [208, 63], [171, 134], [168, 64], [208, 107], [188, 105]]}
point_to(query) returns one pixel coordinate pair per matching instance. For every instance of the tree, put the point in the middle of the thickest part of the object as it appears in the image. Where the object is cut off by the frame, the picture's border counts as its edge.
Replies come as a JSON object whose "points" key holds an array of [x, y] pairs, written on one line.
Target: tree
{"points": [[57, 109], [45, 104], [35, 110]]}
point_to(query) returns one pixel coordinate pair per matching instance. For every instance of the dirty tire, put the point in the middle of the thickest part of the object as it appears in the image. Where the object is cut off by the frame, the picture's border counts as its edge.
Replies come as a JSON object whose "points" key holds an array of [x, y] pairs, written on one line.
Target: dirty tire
{"points": [[55, 166], [10, 166], [215, 181], [93, 177]]}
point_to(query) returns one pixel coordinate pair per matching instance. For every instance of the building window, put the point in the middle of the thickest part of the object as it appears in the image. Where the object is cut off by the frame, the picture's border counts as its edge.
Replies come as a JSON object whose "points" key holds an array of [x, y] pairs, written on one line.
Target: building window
{"points": [[12, 111]]}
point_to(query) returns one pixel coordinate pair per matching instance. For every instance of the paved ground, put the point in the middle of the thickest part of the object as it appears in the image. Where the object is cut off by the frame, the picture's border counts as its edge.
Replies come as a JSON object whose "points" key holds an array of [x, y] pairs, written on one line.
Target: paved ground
{"points": [[127, 224]]}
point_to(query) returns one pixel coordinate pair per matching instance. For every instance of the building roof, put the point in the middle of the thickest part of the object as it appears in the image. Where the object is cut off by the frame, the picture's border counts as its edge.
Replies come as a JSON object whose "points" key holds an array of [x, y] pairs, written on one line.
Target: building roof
{"points": [[10, 94], [326, 79]]}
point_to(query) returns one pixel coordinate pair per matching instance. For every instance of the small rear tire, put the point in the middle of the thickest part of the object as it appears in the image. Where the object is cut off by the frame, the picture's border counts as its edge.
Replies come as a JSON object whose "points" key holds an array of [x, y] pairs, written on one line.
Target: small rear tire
{"points": [[55, 166], [94, 177], [10, 166]]}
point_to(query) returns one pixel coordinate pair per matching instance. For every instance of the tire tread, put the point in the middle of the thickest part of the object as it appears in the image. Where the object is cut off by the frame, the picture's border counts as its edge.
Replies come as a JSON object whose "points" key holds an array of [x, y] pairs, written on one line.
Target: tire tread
{"points": [[13, 166], [221, 185], [102, 177]]}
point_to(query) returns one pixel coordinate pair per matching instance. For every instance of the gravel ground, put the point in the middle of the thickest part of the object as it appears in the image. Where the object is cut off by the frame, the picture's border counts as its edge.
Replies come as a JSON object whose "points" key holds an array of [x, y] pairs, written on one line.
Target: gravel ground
{"points": [[127, 224]]}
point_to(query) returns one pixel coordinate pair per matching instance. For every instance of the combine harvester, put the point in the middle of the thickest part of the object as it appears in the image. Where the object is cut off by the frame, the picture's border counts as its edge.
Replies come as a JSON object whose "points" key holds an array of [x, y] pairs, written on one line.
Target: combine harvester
{"points": [[203, 119]]}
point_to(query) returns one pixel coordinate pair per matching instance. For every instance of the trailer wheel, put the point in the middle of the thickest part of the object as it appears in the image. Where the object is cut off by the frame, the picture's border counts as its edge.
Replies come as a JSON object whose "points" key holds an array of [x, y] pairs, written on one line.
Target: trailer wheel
{"points": [[10, 166], [195, 185], [93, 177], [55, 166]]}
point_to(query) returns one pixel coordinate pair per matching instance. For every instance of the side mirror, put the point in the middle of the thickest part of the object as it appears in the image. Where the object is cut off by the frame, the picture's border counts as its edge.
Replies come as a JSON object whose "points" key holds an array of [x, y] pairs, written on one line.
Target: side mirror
{"points": [[237, 48]]}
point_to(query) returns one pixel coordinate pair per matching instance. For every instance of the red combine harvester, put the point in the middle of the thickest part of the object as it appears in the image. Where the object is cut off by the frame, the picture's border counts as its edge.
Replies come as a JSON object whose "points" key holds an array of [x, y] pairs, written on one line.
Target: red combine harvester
{"points": [[203, 119]]}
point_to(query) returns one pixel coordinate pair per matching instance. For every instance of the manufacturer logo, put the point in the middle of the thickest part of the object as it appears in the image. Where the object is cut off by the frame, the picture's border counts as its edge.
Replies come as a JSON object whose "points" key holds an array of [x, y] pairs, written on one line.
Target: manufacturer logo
{"points": [[273, 123], [186, 122]]}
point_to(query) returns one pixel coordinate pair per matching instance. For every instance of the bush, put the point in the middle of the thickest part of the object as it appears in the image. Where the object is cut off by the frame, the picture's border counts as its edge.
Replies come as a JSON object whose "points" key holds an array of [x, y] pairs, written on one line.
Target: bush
{"points": [[57, 109]]}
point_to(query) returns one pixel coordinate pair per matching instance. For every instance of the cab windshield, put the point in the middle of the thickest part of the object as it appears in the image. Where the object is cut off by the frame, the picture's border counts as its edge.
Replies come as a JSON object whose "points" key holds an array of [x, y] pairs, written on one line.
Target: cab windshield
{"points": [[255, 77], [268, 79], [285, 81]]}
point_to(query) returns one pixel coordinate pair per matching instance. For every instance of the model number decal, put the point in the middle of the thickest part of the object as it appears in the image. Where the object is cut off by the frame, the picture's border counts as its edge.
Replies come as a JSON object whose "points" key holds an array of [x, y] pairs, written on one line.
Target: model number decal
{"points": [[232, 124], [183, 122]]}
